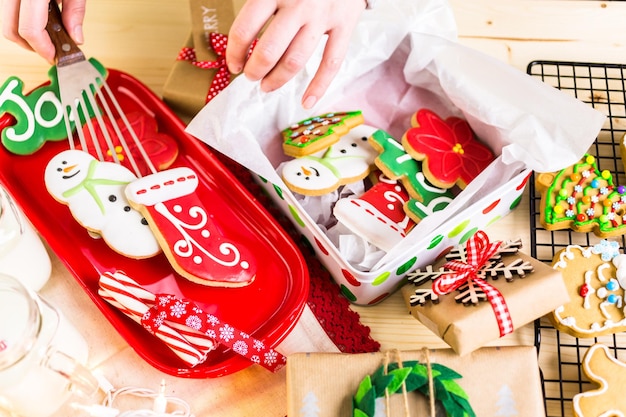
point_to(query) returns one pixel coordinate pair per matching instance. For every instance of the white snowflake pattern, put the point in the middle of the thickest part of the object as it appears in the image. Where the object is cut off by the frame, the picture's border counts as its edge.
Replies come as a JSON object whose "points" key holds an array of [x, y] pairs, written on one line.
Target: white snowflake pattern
{"points": [[241, 347], [586, 174], [227, 332], [616, 205], [211, 333], [604, 190], [610, 216], [622, 199], [258, 345], [212, 320], [578, 188], [569, 213], [595, 199], [255, 359], [163, 300], [571, 200], [194, 322], [270, 357], [244, 335], [178, 309], [607, 249], [590, 212]]}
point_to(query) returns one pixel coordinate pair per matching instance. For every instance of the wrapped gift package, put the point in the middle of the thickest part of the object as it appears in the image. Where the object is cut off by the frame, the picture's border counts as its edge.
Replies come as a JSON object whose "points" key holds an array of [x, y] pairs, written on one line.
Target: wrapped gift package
{"points": [[200, 70], [498, 381], [416, 64], [528, 288]]}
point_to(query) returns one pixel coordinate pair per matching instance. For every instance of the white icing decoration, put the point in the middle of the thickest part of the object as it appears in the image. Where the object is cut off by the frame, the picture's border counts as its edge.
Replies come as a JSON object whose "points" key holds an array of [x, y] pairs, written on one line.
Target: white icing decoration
{"points": [[601, 269], [185, 246]]}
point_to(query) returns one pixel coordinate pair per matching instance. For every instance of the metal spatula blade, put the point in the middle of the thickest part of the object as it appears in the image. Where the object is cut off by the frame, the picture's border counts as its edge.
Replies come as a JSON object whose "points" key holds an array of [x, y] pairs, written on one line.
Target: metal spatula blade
{"points": [[84, 94]]}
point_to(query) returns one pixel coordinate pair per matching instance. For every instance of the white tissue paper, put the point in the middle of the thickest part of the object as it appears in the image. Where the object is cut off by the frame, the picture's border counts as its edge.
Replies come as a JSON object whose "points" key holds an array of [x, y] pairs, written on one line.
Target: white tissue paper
{"points": [[404, 56]]}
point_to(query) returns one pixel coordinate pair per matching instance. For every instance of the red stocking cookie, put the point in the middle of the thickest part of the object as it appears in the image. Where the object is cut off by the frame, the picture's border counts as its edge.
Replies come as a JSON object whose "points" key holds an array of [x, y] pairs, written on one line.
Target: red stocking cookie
{"points": [[186, 231], [378, 215], [450, 152]]}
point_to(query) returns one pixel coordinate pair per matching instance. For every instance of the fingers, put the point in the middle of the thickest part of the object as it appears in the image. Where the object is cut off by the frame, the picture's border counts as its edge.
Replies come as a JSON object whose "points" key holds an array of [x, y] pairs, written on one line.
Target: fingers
{"points": [[244, 30], [24, 22]]}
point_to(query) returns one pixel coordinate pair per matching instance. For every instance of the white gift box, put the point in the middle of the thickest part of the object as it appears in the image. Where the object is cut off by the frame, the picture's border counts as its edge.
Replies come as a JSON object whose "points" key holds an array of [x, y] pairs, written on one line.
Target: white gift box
{"points": [[403, 57]]}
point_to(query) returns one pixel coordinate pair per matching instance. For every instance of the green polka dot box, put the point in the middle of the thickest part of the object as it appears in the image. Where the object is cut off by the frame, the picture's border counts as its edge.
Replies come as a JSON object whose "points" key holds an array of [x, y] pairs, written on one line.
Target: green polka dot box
{"points": [[527, 124]]}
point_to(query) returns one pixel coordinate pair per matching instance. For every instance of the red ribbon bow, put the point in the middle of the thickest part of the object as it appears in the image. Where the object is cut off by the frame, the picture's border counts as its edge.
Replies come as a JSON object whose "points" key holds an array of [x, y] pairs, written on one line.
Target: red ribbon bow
{"points": [[173, 309], [221, 79], [478, 252]]}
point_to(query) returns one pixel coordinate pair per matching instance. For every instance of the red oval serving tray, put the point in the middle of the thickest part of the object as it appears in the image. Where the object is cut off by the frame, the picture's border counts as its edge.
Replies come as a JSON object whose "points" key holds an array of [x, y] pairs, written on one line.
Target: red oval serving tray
{"points": [[267, 309]]}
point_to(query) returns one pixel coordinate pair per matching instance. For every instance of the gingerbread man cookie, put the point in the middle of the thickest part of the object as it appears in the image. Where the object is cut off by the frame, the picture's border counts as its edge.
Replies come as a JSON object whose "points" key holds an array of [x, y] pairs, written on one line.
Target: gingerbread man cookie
{"points": [[601, 367], [584, 198], [317, 133], [451, 153], [349, 160], [595, 278]]}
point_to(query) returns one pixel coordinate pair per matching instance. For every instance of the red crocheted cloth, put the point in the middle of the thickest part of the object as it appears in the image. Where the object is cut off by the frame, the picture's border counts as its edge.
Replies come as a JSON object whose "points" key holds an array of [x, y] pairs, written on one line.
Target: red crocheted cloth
{"points": [[341, 324]]}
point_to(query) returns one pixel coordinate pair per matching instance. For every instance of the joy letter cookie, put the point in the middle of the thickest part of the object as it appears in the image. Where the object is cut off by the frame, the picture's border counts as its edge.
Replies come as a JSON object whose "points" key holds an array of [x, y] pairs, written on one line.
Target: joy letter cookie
{"points": [[605, 370], [595, 278]]}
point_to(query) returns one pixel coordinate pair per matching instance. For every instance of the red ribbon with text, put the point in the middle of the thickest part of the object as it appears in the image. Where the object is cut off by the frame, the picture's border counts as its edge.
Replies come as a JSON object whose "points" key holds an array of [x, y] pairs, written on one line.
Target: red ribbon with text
{"points": [[479, 250]]}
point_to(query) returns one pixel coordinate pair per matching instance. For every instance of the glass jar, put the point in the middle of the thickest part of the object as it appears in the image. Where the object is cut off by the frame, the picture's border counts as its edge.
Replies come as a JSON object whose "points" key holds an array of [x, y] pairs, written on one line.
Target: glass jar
{"points": [[41, 354], [22, 253]]}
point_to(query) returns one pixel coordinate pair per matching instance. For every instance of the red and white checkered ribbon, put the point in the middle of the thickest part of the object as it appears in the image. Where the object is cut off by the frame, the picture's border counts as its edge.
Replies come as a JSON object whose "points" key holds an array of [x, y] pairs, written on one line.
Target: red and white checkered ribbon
{"points": [[171, 309], [479, 250], [221, 79]]}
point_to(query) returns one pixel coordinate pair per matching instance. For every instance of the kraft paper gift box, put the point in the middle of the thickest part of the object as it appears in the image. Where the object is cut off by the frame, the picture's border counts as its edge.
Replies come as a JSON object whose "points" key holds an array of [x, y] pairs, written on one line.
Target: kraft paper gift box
{"points": [[188, 86], [498, 381], [523, 286], [404, 56]]}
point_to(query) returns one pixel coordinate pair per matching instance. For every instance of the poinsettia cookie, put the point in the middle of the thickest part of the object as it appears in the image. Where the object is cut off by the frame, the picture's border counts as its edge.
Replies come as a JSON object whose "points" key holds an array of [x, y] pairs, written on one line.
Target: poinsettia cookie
{"points": [[187, 232], [144, 149], [584, 198], [450, 152], [319, 132], [94, 193], [348, 160], [595, 278]]}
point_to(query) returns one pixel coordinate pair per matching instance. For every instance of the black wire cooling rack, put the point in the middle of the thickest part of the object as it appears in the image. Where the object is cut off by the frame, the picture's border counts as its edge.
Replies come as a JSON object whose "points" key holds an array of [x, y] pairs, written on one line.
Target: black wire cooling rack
{"points": [[602, 86]]}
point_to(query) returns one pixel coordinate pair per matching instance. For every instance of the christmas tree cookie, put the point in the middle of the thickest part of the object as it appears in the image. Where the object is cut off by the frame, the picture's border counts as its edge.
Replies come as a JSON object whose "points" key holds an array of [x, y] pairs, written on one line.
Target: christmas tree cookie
{"points": [[584, 198]]}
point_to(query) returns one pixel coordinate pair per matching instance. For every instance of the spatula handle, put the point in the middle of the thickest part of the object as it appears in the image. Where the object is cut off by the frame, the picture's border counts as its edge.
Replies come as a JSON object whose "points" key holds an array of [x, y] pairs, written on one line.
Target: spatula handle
{"points": [[67, 52]]}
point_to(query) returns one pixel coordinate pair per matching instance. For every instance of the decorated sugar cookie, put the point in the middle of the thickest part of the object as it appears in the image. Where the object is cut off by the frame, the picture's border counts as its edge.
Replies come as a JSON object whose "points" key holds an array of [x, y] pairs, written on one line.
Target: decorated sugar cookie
{"points": [[595, 278], [158, 153], [318, 133], [609, 374], [94, 193], [38, 115], [188, 232], [584, 198], [451, 153], [378, 215], [347, 161], [397, 164]]}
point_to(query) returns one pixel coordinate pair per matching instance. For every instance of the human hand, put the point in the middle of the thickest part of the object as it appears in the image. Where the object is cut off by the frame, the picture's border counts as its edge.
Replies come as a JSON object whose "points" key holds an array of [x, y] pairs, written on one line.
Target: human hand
{"points": [[294, 29], [24, 22]]}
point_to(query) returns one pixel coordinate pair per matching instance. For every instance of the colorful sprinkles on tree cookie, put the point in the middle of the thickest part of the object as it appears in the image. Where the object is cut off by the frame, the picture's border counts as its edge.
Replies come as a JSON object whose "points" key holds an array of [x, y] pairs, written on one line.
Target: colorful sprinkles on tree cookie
{"points": [[317, 133], [450, 151], [584, 198]]}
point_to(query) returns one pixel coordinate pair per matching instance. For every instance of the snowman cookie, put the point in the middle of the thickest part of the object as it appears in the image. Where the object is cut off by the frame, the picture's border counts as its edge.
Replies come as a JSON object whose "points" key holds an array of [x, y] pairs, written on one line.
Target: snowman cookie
{"points": [[349, 160], [94, 193], [595, 278], [188, 233]]}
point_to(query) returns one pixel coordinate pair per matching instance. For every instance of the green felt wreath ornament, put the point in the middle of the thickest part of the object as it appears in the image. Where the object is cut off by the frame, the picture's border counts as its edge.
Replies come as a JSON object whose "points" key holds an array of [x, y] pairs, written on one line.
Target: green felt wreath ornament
{"points": [[415, 377]]}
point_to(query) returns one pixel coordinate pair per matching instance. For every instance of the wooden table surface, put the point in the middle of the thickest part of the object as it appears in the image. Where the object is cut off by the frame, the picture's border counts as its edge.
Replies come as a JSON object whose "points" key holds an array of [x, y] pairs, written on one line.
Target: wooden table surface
{"points": [[143, 37]]}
